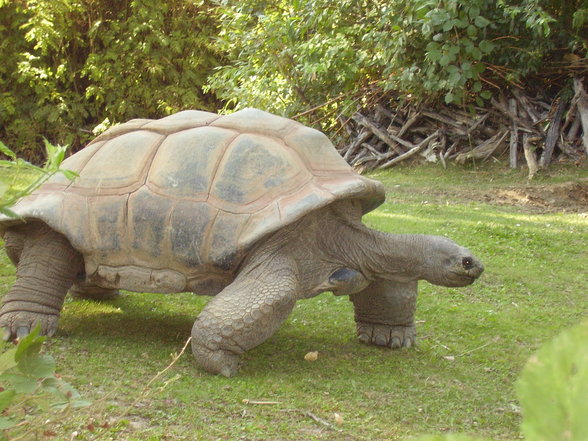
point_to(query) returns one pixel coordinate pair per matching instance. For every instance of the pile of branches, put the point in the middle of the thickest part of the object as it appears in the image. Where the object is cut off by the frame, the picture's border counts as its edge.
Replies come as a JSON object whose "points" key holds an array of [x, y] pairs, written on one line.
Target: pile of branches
{"points": [[537, 129]]}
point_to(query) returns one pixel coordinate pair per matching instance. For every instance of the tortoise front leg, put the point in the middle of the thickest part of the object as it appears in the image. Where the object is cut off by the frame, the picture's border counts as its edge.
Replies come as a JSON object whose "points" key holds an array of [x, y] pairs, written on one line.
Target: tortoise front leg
{"points": [[13, 244], [384, 314], [242, 316], [47, 267]]}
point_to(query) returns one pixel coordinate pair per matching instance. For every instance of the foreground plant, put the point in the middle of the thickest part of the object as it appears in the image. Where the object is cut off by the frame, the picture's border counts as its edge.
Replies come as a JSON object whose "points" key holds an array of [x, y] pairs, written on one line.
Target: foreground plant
{"points": [[11, 192], [552, 390], [33, 396]]}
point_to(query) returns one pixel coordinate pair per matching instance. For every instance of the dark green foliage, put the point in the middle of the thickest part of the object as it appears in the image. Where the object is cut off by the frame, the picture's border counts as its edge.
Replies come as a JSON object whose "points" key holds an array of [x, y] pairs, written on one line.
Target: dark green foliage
{"points": [[290, 56], [68, 66]]}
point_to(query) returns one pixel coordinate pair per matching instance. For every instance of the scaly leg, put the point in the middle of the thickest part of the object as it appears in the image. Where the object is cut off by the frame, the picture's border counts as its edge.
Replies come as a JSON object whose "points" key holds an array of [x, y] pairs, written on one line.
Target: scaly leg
{"points": [[13, 244], [47, 267], [242, 316], [384, 314]]}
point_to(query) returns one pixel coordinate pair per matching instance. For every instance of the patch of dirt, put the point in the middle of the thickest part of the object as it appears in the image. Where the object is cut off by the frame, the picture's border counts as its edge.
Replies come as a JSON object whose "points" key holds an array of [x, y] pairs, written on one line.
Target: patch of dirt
{"points": [[568, 196]]}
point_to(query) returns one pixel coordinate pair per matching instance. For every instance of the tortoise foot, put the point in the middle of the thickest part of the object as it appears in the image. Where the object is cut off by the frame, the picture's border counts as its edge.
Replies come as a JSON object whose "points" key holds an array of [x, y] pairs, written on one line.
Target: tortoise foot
{"points": [[393, 337], [19, 324], [220, 361]]}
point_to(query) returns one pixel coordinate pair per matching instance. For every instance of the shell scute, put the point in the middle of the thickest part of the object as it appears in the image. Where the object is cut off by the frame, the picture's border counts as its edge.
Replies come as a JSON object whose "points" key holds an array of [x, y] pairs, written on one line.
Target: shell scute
{"points": [[187, 119], [316, 150], [107, 219], [255, 169], [224, 236], [257, 122], [119, 163], [186, 161], [148, 226], [189, 222]]}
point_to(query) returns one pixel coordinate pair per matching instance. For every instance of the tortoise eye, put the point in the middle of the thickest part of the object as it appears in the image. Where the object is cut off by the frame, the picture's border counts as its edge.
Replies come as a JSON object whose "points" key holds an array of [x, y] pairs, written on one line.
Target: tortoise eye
{"points": [[467, 262]]}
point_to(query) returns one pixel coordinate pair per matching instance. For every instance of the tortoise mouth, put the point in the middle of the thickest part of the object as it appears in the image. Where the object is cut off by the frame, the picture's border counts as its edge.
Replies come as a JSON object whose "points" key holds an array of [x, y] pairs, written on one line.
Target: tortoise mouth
{"points": [[457, 279]]}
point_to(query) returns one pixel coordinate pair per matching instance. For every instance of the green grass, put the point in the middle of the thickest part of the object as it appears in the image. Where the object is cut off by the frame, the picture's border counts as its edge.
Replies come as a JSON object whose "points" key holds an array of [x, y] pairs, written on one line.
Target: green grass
{"points": [[474, 341]]}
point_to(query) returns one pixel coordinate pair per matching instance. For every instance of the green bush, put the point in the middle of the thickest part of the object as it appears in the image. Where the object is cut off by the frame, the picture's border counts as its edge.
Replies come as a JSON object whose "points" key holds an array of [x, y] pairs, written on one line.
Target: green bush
{"points": [[68, 66], [291, 56]]}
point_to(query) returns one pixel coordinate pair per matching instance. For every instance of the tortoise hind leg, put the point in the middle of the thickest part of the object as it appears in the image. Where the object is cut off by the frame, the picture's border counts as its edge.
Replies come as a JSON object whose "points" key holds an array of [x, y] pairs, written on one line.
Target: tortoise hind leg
{"points": [[88, 291], [47, 267]]}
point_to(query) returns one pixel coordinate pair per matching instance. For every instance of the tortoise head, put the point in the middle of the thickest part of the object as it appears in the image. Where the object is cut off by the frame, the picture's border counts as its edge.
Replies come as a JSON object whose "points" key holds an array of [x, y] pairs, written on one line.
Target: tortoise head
{"points": [[449, 264]]}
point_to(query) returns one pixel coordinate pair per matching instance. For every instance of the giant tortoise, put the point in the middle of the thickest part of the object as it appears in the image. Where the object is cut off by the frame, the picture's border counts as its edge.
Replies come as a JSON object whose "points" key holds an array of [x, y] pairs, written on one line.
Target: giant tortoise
{"points": [[252, 208]]}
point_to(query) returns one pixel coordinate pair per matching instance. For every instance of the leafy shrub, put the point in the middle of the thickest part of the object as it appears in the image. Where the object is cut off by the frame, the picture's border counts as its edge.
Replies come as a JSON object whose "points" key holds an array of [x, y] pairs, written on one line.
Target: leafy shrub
{"points": [[291, 56], [68, 66]]}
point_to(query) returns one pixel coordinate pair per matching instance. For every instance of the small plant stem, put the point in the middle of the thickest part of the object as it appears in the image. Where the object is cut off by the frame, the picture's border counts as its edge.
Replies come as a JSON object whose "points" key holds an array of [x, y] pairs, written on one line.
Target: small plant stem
{"points": [[247, 401], [479, 347], [145, 390]]}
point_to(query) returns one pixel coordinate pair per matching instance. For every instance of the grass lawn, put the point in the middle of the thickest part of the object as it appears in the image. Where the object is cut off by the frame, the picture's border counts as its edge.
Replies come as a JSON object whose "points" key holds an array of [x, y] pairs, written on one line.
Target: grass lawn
{"points": [[474, 341]]}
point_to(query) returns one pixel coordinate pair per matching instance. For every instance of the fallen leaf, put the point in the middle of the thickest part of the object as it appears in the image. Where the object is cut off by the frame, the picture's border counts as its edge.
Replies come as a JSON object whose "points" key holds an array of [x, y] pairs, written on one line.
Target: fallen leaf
{"points": [[311, 356], [338, 419], [449, 358]]}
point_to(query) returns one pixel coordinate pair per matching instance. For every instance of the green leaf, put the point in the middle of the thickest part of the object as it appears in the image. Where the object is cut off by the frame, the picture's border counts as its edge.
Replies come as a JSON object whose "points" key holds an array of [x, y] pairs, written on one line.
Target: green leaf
{"points": [[69, 174], [486, 94], [481, 22], [6, 423], [479, 68], [8, 212], [449, 97], [31, 344], [434, 55], [452, 68], [6, 398], [455, 78], [445, 59], [22, 384], [486, 46], [80, 403], [5, 150], [553, 388], [476, 54], [473, 12], [37, 365], [7, 360]]}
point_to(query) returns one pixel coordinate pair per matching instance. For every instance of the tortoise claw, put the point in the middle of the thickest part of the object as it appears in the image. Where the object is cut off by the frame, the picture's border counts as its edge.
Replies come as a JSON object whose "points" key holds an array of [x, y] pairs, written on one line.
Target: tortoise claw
{"points": [[22, 331], [394, 337]]}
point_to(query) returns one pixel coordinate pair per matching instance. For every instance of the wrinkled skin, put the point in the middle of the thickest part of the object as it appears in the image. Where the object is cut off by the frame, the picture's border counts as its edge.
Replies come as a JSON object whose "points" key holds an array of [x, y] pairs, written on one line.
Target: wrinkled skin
{"points": [[327, 250]]}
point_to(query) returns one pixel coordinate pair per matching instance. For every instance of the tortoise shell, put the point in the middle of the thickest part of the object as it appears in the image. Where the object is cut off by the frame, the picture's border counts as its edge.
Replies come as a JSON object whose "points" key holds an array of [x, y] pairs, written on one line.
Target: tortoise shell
{"points": [[174, 204]]}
